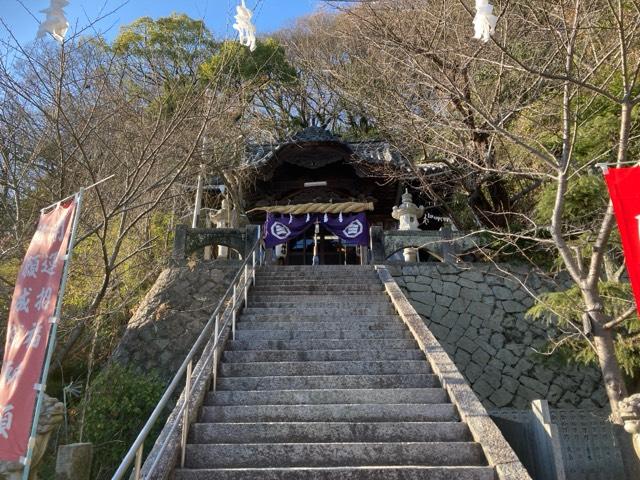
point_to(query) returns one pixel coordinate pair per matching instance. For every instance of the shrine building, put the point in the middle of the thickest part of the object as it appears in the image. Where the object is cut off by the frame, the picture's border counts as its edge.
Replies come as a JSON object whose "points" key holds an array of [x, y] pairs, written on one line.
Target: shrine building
{"points": [[318, 189]]}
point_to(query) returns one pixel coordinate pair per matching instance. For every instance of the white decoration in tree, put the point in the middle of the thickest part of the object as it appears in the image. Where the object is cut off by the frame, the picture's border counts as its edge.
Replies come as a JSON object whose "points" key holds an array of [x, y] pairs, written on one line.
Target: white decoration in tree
{"points": [[485, 21], [56, 23], [245, 28]]}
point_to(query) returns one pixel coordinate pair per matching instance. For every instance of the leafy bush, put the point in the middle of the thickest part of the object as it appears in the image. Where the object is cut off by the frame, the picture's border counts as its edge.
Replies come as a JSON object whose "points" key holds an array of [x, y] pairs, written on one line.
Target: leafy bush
{"points": [[585, 201], [120, 403], [567, 307]]}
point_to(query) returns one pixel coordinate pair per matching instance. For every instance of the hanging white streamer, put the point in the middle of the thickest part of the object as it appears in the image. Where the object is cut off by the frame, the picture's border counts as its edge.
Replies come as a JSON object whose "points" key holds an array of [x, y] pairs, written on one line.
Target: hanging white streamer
{"points": [[485, 21], [245, 28], [326, 218], [308, 217], [290, 219], [429, 216], [340, 217], [55, 23]]}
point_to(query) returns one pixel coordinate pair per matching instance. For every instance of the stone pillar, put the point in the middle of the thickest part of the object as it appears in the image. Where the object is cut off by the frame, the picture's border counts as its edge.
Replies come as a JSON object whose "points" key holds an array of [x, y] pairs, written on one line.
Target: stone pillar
{"points": [[364, 255], [448, 255], [547, 442], [408, 213], [208, 250], [223, 219], [180, 243], [377, 245], [74, 461]]}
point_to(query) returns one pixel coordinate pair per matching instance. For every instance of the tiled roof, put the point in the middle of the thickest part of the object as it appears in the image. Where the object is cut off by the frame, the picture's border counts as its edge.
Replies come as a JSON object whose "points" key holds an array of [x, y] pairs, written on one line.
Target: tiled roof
{"points": [[374, 152]]}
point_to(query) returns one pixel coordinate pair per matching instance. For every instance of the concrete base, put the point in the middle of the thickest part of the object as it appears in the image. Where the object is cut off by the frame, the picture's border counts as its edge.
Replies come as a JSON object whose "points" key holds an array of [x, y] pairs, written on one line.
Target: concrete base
{"points": [[74, 461]]}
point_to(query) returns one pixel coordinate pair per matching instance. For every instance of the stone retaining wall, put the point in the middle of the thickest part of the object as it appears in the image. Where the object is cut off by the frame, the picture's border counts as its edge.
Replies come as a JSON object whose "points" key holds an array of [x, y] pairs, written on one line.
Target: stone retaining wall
{"points": [[172, 315], [477, 312]]}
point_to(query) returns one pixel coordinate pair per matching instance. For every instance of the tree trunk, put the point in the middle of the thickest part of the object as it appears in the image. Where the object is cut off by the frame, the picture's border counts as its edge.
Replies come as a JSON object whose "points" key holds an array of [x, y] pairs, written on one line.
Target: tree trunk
{"points": [[605, 349], [611, 373]]}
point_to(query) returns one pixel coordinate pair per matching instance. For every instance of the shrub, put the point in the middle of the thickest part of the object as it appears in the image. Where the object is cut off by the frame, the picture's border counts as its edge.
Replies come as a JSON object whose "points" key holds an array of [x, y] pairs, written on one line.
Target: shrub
{"points": [[121, 401]]}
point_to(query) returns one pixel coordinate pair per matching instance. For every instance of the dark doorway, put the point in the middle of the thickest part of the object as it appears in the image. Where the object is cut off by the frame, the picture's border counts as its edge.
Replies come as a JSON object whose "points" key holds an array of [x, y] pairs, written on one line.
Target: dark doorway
{"points": [[331, 250]]}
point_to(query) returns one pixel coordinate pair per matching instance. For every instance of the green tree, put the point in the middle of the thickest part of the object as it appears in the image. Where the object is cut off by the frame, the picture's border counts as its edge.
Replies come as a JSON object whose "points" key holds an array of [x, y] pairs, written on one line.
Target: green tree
{"points": [[166, 49]]}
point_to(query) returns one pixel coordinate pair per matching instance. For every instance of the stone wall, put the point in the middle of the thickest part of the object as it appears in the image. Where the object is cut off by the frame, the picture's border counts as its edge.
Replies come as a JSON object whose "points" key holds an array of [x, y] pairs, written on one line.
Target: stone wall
{"points": [[477, 312], [172, 315]]}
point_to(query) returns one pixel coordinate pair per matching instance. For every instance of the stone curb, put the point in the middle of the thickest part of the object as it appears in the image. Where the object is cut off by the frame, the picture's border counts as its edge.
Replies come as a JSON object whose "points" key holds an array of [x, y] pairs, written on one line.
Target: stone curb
{"points": [[498, 452]]}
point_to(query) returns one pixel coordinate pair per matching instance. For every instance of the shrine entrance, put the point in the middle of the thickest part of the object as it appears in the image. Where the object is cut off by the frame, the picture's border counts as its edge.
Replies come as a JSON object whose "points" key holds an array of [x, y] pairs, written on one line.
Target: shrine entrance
{"points": [[331, 250]]}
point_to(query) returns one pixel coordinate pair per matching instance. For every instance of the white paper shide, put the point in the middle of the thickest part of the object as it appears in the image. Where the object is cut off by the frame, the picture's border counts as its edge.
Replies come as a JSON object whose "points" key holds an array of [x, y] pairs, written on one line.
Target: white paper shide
{"points": [[245, 28], [485, 21], [55, 23]]}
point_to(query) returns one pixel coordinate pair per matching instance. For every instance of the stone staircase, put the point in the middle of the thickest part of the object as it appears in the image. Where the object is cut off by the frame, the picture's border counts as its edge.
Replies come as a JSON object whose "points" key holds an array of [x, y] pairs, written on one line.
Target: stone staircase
{"points": [[324, 381]]}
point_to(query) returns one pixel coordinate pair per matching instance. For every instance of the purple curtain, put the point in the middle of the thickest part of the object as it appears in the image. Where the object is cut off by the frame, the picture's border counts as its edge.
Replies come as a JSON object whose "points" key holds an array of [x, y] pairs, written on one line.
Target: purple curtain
{"points": [[353, 229]]}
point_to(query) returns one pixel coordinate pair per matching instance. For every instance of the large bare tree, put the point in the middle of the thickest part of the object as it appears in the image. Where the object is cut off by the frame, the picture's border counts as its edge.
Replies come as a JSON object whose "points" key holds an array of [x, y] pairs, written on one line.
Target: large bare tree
{"points": [[511, 118]]}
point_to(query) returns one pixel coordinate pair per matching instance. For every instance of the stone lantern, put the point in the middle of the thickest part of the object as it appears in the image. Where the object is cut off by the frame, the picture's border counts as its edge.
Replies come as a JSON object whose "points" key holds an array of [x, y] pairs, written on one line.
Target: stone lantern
{"points": [[409, 214]]}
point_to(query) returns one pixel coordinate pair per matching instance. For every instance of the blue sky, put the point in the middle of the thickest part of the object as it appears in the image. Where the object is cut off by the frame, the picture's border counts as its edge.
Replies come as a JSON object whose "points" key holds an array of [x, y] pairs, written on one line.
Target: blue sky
{"points": [[269, 15]]}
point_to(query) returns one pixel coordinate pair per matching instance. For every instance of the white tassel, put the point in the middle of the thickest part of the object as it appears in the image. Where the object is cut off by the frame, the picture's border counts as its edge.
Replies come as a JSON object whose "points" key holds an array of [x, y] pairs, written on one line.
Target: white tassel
{"points": [[340, 217], [245, 28], [56, 23], [290, 219], [326, 218], [308, 217], [485, 21]]}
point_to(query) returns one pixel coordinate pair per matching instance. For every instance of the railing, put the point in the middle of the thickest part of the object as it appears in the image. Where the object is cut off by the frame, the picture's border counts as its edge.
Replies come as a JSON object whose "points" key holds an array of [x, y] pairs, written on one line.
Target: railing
{"points": [[225, 313]]}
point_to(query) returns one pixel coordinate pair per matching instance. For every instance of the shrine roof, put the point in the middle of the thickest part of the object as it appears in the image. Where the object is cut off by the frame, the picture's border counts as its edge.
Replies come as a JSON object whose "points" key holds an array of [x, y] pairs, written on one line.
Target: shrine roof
{"points": [[371, 152]]}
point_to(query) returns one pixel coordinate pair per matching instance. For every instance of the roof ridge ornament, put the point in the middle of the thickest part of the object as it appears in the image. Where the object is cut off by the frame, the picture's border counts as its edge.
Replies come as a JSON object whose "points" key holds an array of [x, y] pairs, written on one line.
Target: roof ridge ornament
{"points": [[314, 134]]}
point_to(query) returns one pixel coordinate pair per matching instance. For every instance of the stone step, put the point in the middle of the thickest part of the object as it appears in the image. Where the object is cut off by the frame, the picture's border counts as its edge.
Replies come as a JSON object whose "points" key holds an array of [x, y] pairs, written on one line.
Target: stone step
{"points": [[405, 412], [317, 397], [361, 277], [245, 356], [340, 473], [304, 432], [324, 344], [314, 277], [289, 369], [332, 454], [329, 382], [331, 284], [303, 317], [338, 305], [318, 325], [330, 309], [309, 271], [318, 289], [317, 268], [343, 334], [336, 298]]}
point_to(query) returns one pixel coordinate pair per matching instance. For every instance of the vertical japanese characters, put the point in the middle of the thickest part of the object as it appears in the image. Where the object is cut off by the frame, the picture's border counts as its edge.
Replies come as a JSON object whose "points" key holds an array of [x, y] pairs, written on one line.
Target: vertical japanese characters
{"points": [[30, 319]]}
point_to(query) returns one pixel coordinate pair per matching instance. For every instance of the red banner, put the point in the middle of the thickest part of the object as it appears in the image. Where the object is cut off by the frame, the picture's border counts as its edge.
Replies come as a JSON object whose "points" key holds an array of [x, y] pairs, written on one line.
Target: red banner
{"points": [[624, 188], [30, 320]]}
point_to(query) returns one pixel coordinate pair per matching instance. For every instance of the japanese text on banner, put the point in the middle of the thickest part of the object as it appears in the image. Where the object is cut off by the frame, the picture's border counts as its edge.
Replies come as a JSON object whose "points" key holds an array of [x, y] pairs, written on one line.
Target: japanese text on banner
{"points": [[30, 318]]}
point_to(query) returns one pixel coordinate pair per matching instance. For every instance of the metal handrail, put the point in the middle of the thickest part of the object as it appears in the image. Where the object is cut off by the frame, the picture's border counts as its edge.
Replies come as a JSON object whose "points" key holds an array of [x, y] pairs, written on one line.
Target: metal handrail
{"points": [[135, 452]]}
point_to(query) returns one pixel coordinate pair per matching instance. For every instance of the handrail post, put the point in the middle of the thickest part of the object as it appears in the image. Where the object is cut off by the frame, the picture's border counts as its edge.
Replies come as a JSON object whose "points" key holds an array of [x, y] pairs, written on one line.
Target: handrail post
{"points": [[138, 465], [185, 415], [253, 269], [215, 354], [233, 313], [246, 286]]}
